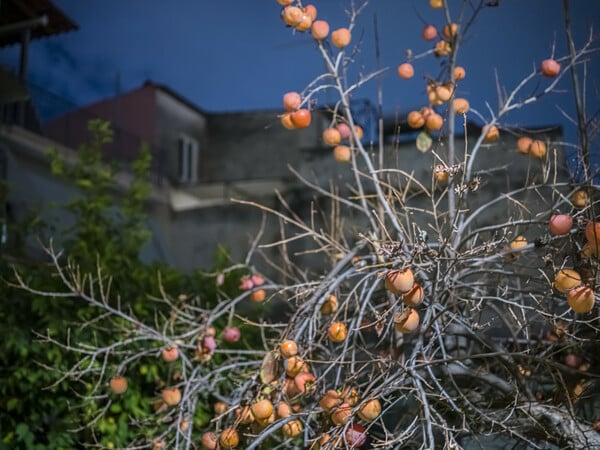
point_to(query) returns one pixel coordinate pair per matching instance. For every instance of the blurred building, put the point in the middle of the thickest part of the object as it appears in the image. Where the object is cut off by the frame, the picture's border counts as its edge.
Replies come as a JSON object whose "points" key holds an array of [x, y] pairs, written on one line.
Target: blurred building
{"points": [[203, 160]]}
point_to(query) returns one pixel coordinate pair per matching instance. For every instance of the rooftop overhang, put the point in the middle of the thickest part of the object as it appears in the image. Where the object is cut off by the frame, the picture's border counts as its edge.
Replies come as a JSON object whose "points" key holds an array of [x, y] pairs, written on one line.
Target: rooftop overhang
{"points": [[41, 17]]}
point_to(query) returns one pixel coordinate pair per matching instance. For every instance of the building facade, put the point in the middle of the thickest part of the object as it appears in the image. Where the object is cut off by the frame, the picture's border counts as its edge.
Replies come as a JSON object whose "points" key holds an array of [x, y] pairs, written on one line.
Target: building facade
{"points": [[205, 162]]}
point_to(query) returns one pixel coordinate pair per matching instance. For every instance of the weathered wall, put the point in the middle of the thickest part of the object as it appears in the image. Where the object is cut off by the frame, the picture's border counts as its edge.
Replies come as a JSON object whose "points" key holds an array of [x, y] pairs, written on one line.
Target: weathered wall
{"points": [[246, 155], [499, 166], [33, 190], [254, 145], [174, 118]]}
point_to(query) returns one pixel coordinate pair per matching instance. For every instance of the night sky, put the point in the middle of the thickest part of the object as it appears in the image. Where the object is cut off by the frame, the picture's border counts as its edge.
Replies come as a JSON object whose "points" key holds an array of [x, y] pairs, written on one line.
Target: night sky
{"points": [[237, 55]]}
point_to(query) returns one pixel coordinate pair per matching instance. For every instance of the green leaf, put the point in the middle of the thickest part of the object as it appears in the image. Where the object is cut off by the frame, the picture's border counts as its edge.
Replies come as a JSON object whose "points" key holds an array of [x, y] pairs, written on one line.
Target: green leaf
{"points": [[270, 368], [84, 183], [424, 141], [12, 403]]}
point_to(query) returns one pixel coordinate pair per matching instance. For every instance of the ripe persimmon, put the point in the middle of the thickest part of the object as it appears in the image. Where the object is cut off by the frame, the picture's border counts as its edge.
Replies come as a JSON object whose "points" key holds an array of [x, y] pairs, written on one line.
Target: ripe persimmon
{"points": [[342, 414], [286, 121], [491, 133], [257, 279], [330, 400], [220, 408], [184, 424], [444, 91], [592, 231], [459, 73], [232, 334], [293, 428], [370, 410], [305, 23], [170, 353], [580, 199], [434, 122], [244, 415], [291, 101], [292, 15], [301, 118], [399, 281], [415, 119], [320, 30], [350, 395], [590, 249], [537, 149], [294, 365], [561, 224], [262, 409], [450, 31], [566, 279], [550, 68], [356, 435], [414, 297], [406, 321], [229, 438], [406, 71], [337, 332], [118, 384], [288, 348], [258, 295], [171, 396], [344, 130], [341, 37], [264, 423], [519, 242], [358, 131], [442, 48], [304, 382], [429, 33], [433, 99], [332, 136], [210, 440], [581, 299], [524, 144], [311, 11], [460, 105], [342, 153], [330, 305], [283, 410]]}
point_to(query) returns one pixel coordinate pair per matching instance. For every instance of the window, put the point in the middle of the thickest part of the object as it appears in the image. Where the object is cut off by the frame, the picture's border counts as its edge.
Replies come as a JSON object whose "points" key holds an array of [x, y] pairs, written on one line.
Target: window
{"points": [[187, 159]]}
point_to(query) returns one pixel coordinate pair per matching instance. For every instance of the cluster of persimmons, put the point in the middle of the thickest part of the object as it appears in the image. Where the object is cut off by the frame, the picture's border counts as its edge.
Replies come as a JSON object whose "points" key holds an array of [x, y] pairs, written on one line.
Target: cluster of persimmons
{"points": [[568, 281], [286, 382], [297, 115]]}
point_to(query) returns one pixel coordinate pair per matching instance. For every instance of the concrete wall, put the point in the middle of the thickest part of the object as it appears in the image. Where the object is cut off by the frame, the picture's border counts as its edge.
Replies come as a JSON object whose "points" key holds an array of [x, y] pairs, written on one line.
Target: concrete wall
{"points": [[174, 118], [188, 239], [34, 191], [255, 145], [500, 167]]}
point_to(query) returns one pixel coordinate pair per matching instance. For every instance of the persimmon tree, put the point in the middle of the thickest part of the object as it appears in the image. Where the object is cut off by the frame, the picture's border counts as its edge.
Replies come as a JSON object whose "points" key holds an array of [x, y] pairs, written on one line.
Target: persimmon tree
{"points": [[427, 325]]}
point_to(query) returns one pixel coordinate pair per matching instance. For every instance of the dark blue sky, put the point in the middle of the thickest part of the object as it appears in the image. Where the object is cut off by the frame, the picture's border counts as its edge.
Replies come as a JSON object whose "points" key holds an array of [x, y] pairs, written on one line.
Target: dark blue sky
{"points": [[237, 55]]}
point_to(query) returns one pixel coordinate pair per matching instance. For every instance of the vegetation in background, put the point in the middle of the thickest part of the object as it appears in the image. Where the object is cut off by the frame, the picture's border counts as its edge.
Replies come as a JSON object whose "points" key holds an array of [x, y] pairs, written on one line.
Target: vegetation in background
{"points": [[428, 325], [41, 408]]}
